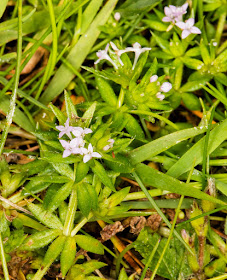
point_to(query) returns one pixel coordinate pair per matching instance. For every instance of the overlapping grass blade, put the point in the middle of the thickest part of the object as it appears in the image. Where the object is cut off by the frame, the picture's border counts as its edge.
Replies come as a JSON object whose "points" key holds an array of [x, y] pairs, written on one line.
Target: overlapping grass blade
{"points": [[216, 137]]}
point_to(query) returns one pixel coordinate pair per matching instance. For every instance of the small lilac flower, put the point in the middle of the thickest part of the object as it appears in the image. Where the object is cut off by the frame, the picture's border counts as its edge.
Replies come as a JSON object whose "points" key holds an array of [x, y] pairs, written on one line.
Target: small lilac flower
{"points": [[160, 96], [109, 146], [70, 148], [80, 132], [89, 154], [117, 16], [188, 28], [102, 54], [174, 14], [153, 78], [65, 129], [136, 48], [165, 87], [118, 52]]}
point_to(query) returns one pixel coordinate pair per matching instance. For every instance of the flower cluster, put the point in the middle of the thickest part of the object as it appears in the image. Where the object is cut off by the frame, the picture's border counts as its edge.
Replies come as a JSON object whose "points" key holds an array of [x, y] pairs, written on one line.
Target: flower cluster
{"points": [[174, 15], [136, 48], [165, 87], [76, 145]]}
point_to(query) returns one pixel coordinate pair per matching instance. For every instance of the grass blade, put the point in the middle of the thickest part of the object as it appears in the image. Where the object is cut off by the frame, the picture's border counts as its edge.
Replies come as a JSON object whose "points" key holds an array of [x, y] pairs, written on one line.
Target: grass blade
{"points": [[216, 137], [78, 54], [162, 144]]}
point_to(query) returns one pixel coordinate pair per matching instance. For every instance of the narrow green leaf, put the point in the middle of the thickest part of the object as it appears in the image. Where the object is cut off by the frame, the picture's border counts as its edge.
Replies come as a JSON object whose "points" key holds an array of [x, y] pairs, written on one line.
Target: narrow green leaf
{"points": [[70, 107], [89, 244], [154, 178], [217, 136], [39, 239], [162, 144], [78, 54], [44, 216], [100, 171]]}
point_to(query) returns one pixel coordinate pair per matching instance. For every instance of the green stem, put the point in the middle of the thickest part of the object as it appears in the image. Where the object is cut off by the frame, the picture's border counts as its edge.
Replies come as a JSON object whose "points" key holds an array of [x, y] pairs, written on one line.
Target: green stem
{"points": [[81, 224], [69, 221], [157, 116], [120, 257], [12, 105], [173, 225], [150, 259], [3, 259], [141, 195]]}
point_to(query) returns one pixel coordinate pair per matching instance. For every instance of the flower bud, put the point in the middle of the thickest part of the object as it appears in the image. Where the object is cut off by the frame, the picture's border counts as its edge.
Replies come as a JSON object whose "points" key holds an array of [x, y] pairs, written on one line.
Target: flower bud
{"points": [[211, 190], [200, 225]]}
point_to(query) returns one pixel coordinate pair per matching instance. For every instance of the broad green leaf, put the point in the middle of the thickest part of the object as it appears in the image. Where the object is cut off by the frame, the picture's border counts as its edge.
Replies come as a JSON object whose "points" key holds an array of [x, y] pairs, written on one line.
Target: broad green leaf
{"points": [[100, 171], [68, 255], [78, 54], [88, 115], [64, 169], [89, 244], [162, 144], [59, 196], [39, 239], [174, 263], [54, 250], [216, 137], [70, 107], [83, 199], [45, 217], [3, 5], [132, 7], [159, 180]]}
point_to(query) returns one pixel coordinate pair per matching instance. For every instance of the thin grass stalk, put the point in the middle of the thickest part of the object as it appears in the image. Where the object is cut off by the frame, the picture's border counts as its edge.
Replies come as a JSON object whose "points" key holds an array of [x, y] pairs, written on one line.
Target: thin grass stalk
{"points": [[12, 105], [159, 210]]}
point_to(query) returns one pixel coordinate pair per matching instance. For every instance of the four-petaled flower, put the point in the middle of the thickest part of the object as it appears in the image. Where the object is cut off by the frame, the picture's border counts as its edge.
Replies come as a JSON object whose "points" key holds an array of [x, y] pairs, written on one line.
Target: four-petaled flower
{"points": [[65, 129], [102, 54], [174, 14], [118, 52], [70, 147], [136, 48], [80, 132], [89, 154], [188, 28]]}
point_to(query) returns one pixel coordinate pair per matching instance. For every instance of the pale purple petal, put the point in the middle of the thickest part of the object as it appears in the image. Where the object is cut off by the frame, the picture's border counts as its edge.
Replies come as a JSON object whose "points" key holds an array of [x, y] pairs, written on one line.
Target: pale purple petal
{"points": [[190, 22], [165, 87], [95, 154], [84, 151], [107, 47], [60, 127], [185, 33], [106, 148], [77, 131], [160, 96], [153, 78], [195, 30], [66, 153], [90, 148], [136, 45], [87, 130], [184, 8], [64, 144], [61, 134], [76, 151], [166, 19], [117, 16], [173, 9], [97, 61], [181, 24], [86, 158], [114, 47], [111, 141], [167, 11]]}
